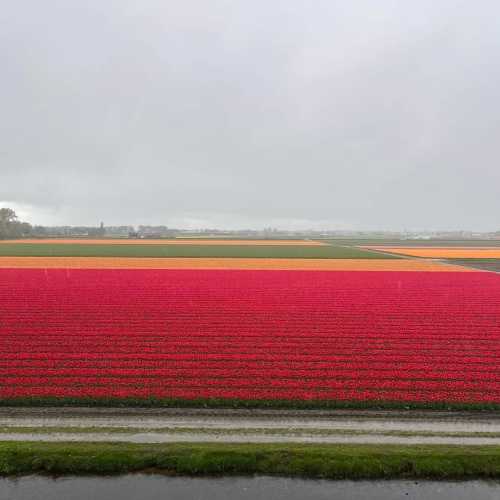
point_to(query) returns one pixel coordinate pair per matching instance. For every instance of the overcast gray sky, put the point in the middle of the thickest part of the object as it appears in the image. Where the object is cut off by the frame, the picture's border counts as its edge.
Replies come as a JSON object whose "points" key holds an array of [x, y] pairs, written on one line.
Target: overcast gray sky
{"points": [[235, 113]]}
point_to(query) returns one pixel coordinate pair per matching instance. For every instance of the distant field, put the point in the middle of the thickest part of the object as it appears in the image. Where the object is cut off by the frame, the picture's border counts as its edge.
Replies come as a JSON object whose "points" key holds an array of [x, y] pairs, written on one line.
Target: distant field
{"points": [[445, 252], [193, 241], [374, 242], [189, 250]]}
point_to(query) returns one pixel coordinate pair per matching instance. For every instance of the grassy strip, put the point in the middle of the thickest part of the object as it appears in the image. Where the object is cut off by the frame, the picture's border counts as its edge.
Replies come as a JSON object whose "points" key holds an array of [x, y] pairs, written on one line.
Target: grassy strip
{"points": [[325, 461], [243, 431], [246, 403], [201, 251]]}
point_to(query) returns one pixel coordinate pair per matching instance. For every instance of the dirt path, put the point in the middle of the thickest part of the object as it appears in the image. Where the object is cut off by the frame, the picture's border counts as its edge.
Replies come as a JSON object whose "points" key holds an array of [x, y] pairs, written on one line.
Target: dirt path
{"points": [[266, 426]]}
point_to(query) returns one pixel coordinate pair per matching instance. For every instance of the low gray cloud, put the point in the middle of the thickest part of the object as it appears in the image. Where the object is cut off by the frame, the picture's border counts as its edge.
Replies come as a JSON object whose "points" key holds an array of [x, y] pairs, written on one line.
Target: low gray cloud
{"points": [[374, 115]]}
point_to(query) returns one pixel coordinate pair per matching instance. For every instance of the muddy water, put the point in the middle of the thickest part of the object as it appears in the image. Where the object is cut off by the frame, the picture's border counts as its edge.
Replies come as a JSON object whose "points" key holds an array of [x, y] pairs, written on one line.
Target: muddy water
{"points": [[146, 487]]}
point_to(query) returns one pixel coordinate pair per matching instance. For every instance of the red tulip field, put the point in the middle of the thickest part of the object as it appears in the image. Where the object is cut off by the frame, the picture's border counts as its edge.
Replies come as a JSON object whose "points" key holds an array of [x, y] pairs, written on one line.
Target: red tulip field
{"points": [[250, 335]]}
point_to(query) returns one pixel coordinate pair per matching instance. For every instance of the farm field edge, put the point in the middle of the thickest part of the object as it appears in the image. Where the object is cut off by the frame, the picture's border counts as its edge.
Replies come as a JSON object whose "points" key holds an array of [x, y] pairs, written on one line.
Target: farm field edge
{"points": [[233, 403]]}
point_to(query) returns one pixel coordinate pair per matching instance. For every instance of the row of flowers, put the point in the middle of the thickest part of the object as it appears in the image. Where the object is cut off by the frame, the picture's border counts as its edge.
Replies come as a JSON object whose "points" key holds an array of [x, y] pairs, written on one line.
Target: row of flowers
{"points": [[406, 336]]}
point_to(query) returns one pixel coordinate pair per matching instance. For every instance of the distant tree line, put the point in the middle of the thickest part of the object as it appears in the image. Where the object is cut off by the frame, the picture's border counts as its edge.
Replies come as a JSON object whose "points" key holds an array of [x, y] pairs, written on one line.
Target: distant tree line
{"points": [[11, 226]]}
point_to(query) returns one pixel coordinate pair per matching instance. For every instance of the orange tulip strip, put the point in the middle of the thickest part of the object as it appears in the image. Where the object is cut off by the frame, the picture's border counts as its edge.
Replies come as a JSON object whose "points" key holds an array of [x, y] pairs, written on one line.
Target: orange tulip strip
{"points": [[187, 241], [227, 263], [443, 252]]}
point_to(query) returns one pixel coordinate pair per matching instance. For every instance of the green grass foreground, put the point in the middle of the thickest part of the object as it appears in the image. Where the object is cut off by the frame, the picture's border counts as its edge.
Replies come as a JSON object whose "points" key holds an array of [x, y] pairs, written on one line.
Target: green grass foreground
{"points": [[325, 461], [246, 404], [200, 251]]}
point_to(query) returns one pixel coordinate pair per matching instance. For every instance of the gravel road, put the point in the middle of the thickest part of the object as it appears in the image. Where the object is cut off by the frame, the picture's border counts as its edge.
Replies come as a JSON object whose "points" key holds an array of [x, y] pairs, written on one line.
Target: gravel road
{"points": [[252, 426]]}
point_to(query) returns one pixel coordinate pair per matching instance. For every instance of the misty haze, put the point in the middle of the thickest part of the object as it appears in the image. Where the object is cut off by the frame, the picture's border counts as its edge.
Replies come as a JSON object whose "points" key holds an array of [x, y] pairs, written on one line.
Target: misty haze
{"points": [[223, 114]]}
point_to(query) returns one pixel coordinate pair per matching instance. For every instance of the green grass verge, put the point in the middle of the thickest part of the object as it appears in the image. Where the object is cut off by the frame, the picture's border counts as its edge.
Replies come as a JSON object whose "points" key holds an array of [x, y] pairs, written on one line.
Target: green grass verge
{"points": [[315, 461], [244, 403], [200, 251]]}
